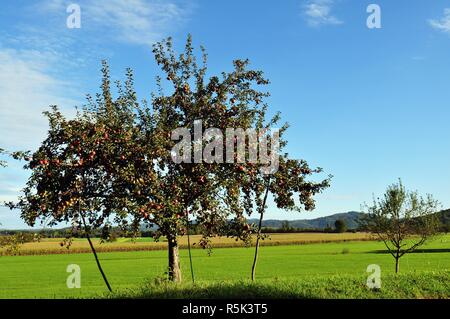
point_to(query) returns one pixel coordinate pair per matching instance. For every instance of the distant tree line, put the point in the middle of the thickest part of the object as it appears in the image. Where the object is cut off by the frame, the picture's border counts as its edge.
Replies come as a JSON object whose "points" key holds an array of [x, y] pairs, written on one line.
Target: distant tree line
{"points": [[339, 226]]}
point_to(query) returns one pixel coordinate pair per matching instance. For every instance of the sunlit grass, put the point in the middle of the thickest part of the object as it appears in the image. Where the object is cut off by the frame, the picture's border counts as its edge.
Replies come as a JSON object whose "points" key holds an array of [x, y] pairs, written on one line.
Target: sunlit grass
{"points": [[45, 276]]}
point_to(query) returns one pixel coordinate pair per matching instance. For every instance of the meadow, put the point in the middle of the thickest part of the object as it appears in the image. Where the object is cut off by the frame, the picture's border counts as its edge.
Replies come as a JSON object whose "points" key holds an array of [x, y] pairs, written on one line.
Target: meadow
{"points": [[310, 270]]}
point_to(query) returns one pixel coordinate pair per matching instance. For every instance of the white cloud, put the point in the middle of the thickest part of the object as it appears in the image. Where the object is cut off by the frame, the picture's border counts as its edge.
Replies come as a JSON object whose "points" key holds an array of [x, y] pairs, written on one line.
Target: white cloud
{"points": [[27, 89], [28, 85], [443, 24], [130, 21], [136, 21], [32, 78], [319, 12], [42, 65]]}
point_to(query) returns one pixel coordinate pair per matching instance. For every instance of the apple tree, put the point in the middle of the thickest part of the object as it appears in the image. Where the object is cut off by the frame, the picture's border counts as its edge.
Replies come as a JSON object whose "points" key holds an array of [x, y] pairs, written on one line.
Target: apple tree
{"points": [[199, 182], [403, 220], [75, 172], [190, 184]]}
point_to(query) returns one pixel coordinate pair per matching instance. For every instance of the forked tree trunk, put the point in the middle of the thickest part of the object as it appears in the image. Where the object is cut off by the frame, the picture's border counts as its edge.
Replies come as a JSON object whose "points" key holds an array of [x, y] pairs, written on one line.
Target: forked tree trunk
{"points": [[174, 260]]}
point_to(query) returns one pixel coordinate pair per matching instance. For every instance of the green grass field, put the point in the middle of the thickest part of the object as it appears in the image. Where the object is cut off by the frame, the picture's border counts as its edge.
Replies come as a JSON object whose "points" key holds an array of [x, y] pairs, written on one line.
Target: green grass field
{"points": [[401, 286], [44, 276]]}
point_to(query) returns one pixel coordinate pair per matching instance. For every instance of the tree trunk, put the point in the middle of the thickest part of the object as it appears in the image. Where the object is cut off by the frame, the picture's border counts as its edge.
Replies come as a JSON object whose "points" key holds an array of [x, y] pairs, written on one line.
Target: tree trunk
{"points": [[98, 263], [174, 260], [255, 259], [189, 247], [397, 264], [261, 216], [95, 254]]}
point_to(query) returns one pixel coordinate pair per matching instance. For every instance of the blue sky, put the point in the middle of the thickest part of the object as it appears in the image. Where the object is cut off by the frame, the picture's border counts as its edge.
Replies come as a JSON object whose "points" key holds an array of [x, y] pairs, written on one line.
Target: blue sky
{"points": [[368, 105]]}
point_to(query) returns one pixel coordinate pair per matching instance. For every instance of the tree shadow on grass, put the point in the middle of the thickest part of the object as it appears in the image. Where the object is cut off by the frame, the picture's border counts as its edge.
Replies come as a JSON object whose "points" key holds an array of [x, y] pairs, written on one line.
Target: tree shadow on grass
{"points": [[428, 250], [420, 285], [224, 292]]}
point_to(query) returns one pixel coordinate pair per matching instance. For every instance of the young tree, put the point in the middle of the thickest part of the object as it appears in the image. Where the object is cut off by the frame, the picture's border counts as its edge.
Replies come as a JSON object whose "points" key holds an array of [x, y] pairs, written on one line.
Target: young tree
{"points": [[402, 219]]}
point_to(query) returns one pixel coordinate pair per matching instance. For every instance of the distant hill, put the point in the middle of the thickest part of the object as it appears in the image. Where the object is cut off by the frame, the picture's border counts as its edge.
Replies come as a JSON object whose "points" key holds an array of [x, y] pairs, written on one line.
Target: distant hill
{"points": [[350, 219]]}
